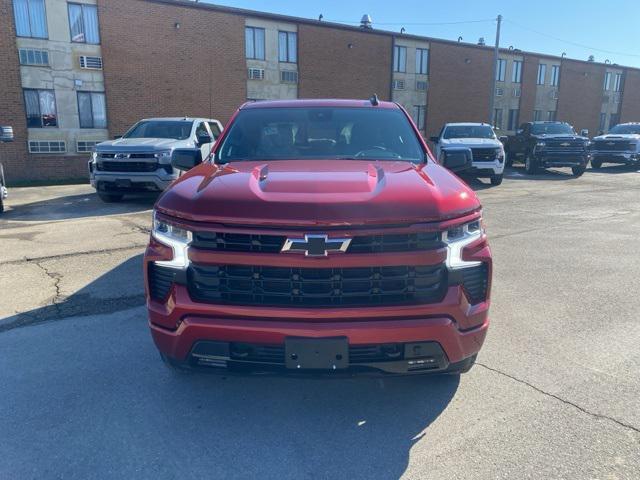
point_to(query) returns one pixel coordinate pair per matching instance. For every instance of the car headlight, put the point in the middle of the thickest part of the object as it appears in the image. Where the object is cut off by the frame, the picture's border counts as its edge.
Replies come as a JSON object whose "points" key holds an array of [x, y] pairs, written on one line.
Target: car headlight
{"points": [[540, 145], [457, 238], [164, 155], [94, 156], [175, 237]]}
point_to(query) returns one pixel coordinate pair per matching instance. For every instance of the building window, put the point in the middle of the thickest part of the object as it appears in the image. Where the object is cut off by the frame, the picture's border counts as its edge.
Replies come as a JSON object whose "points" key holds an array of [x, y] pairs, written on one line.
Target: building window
{"points": [[85, 147], [397, 84], [501, 70], [607, 81], [555, 75], [30, 56], [288, 47], [617, 84], [542, 72], [288, 76], [255, 73], [422, 61], [399, 59], [254, 43], [513, 119], [551, 116], [537, 115], [497, 118], [92, 110], [83, 21], [418, 116], [517, 92], [40, 106], [47, 147], [31, 18], [613, 120], [516, 75], [421, 85]]}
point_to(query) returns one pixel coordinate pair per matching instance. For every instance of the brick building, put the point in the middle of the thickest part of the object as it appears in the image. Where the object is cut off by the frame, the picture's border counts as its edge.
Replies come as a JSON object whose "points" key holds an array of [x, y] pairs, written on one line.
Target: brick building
{"points": [[78, 72]]}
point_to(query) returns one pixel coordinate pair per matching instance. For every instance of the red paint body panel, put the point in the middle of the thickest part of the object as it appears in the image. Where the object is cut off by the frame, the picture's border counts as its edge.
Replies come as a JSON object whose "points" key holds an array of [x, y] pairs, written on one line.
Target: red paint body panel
{"points": [[336, 197]]}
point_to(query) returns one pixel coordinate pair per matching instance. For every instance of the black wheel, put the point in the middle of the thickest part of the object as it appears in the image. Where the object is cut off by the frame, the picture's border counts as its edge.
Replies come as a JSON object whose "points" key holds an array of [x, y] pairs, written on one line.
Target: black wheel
{"points": [[174, 365], [578, 171], [496, 179], [530, 164], [463, 366], [110, 197], [596, 164], [1, 204], [508, 159]]}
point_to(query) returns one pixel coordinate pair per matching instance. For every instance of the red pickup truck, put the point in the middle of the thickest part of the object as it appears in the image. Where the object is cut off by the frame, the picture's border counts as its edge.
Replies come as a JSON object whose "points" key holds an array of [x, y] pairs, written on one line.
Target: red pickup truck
{"points": [[319, 237]]}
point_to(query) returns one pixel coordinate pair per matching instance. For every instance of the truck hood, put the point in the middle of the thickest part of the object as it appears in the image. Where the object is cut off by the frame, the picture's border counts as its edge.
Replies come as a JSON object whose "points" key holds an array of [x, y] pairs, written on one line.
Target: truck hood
{"points": [[618, 136], [559, 136], [142, 145], [318, 192], [472, 142]]}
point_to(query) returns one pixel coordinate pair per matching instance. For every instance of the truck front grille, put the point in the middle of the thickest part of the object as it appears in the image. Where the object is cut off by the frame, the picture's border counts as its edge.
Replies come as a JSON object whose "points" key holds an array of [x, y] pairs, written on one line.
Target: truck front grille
{"points": [[127, 166], [564, 147], [321, 287], [475, 283], [612, 146], [484, 154], [160, 281], [384, 243]]}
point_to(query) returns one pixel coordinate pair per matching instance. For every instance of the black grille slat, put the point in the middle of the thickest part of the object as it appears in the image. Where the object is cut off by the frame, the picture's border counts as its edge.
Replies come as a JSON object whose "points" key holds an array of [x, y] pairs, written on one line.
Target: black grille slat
{"points": [[246, 242], [107, 166], [556, 147], [475, 283], [255, 285], [160, 281], [484, 154], [612, 145]]}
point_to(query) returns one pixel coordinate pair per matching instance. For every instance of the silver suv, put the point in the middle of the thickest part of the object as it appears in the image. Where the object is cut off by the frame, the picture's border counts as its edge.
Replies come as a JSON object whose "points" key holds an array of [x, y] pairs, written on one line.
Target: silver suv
{"points": [[140, 161]]}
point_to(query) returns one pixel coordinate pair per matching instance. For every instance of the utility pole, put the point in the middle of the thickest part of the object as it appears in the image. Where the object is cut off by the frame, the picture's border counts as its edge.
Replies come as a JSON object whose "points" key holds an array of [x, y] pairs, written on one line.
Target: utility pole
{"points": [[492, 96]]}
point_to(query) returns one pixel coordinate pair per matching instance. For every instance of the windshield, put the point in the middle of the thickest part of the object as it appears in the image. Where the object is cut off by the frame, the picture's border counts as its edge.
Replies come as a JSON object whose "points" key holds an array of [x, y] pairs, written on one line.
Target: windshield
{"points": [[552, 129], [321, 132], [626, 129], [178, 129], [469, 131]]}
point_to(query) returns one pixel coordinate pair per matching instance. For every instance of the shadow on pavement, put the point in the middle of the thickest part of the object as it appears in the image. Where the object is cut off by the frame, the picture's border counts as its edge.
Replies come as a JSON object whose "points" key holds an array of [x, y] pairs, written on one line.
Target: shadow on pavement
{"points": [[612, 169], [75, 206]]}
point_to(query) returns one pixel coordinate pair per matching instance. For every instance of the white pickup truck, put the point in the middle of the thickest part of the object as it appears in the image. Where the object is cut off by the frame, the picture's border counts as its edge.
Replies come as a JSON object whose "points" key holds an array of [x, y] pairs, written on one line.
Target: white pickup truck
{"points": [[140, 161], [620, 145], [487, 152]]}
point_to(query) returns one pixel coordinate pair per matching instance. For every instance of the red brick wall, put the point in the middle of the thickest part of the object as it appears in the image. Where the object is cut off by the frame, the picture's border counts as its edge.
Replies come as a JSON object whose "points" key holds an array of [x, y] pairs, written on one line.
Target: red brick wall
{"points": [[330, 69], [630, 107], [580, 94], [529, 87], [459, 85], [152, 68]]}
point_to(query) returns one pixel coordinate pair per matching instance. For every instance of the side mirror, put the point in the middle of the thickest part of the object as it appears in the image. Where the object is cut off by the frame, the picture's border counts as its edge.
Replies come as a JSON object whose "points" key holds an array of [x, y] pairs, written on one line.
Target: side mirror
{"points": [[6, 134], [584, 132], [519, 131], [456, 159], [204, 138], [186, 158], [434, 139], [503, 139]]}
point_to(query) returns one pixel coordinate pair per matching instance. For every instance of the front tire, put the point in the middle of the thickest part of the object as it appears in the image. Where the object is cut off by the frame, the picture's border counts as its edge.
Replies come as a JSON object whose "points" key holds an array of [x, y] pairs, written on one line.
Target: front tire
{"points": [[508, 159], [596, 164], [530, 164], [110, 197], [578, 171], [496, 180]]}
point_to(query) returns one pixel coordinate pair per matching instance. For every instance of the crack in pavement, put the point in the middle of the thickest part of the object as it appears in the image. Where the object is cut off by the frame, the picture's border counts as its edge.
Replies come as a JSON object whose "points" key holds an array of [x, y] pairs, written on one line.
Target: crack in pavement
{"points": [[56, 277], [73, 254], [566, 402]]}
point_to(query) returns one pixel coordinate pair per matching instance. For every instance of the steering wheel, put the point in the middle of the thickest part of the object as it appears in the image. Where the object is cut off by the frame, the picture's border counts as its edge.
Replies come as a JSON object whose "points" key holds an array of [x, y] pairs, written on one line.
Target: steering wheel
{"points": [[362, 153]]}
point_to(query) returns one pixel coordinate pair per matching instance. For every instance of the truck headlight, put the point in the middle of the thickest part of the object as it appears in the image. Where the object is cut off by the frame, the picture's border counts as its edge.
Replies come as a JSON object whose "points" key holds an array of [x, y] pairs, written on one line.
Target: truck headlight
{"points": [[457, 238], [94, 156], [541, 145], [164, 155], [175, 237]]}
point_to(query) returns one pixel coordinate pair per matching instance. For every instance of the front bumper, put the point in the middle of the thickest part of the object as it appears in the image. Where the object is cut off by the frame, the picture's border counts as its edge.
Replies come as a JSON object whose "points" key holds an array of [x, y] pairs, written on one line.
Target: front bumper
{"points": [[545, 159], [629, 158], [486, 169], [130, 181]]}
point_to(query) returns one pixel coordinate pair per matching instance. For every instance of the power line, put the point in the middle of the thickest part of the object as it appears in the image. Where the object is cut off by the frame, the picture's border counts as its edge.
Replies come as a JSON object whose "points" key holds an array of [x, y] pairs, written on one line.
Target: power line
{"points": [[575, 44]]}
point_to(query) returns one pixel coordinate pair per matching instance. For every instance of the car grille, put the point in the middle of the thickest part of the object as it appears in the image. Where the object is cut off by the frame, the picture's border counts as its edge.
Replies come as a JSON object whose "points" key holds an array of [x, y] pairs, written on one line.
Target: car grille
{"points": [[321, 287], [475, 283], [124, 156], [241, 242], [160, 281], [564, 147], [115, 166], [612, 145], [484, 154]]}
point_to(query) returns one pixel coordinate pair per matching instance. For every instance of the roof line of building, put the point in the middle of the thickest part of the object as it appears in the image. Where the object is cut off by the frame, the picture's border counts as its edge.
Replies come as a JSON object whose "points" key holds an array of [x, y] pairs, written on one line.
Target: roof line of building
{"points": [[374, 31]]}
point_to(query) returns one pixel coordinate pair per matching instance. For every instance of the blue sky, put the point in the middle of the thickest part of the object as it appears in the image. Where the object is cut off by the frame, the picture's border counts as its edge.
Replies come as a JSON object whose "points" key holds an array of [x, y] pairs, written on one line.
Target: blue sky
{"points": [[607, 30]]}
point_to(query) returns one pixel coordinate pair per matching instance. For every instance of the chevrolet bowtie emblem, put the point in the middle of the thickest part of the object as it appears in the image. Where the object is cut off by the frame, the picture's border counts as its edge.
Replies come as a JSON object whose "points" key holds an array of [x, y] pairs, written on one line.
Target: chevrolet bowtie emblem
{"points": [[565, 144], [316, 245]]}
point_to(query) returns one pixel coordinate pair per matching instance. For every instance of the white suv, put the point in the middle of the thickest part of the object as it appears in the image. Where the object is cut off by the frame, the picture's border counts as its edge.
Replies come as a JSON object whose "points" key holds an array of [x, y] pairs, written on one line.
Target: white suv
{"points": [[487, 151]]}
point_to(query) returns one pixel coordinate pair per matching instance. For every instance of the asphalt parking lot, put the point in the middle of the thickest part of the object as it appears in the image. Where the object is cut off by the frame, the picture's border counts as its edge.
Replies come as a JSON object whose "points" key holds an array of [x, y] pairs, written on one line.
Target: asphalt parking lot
{"points": [[555, 393]]}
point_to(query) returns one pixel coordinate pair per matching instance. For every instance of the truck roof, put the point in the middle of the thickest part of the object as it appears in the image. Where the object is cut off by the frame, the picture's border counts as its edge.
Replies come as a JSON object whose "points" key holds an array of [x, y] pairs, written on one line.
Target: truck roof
{"points": [[466, 124], [174, 119], [330, 102]]}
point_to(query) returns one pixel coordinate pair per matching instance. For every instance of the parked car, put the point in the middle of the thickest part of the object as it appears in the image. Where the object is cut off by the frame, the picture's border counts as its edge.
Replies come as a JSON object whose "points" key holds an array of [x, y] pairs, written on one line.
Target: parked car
{"points": [[487, 151], [6, 135], [320, 236], [620, 145], [548, 144], [140, 161]]}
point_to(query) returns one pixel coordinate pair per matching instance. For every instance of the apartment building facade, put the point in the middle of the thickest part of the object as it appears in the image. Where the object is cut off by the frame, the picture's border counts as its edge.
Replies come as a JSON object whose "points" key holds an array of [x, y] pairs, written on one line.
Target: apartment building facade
{"points": [[78, 72]]}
